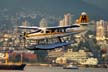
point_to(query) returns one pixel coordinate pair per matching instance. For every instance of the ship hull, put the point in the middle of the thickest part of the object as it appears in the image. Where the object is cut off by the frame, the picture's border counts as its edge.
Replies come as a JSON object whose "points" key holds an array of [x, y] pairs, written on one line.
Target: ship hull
{"points": [[12, 67]]}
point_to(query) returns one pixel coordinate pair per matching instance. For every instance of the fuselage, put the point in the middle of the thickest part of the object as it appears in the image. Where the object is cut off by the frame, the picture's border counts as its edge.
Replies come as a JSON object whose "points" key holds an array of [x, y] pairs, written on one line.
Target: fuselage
{"points": [[50, 33]]}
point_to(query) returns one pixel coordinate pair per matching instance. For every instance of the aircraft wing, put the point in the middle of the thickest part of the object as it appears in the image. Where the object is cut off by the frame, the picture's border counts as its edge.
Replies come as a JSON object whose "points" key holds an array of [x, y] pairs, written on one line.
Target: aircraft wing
{"points": [[64, 27], [28, 27], [55, 27]]}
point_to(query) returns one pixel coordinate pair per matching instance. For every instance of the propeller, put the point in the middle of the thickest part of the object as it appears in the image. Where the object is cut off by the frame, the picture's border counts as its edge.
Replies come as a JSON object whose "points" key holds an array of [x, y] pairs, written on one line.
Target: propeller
{"points": [[23, 35]]}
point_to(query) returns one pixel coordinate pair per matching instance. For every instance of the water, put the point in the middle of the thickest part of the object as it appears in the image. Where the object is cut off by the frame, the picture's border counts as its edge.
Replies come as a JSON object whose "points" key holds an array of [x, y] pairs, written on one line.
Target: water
{"points": [[57, 69]]}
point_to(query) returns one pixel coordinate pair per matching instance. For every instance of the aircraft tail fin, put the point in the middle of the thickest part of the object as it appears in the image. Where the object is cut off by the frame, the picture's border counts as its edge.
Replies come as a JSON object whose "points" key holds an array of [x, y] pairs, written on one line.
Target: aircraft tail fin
{"points": [[83, 18]]}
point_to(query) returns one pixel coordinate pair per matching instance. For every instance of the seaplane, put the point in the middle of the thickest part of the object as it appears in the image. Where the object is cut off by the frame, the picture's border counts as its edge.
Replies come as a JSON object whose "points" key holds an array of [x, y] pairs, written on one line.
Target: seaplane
{"points": [[50, 37]]}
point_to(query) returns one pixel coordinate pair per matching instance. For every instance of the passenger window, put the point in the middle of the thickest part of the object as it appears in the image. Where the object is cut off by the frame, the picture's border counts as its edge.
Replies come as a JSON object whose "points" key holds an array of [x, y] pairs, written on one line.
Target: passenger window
{"points": [[47, 31]]}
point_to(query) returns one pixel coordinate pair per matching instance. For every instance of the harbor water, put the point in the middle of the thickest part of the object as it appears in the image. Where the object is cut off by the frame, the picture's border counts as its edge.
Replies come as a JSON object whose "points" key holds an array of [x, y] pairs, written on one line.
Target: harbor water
{"points": [[56, 69]]}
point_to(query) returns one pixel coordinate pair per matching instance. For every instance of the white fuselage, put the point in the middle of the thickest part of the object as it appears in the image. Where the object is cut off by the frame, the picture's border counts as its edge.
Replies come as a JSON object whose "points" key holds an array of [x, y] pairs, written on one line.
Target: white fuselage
{"points": [[44, 33]]}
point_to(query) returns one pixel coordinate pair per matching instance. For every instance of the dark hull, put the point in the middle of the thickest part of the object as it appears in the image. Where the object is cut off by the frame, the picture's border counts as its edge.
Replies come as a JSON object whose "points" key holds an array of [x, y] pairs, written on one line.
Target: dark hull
{"points": [[70, 68], [12, 67]]}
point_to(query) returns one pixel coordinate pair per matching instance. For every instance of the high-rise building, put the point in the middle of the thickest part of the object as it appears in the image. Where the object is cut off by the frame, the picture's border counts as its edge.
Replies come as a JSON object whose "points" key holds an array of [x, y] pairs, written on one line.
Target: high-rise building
{"points": [[61, 22], [43, 23], [67, 19], [106, 29], [25, 23], [100, 30]]}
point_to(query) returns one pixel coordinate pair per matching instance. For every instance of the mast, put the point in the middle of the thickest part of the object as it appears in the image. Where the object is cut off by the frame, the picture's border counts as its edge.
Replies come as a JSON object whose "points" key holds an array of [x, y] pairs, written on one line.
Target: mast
{"points": [[6, 58]]}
